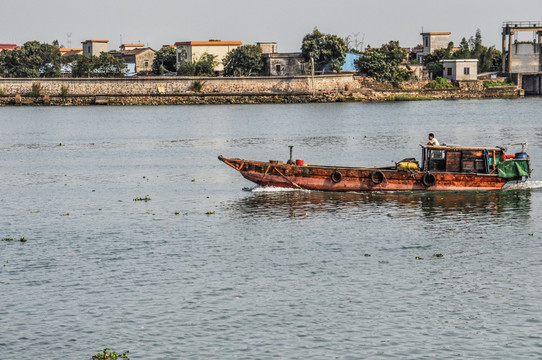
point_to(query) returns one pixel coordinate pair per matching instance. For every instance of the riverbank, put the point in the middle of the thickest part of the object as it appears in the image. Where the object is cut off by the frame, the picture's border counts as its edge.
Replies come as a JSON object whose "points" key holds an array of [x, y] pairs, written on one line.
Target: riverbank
{"points": [[224, 90]]}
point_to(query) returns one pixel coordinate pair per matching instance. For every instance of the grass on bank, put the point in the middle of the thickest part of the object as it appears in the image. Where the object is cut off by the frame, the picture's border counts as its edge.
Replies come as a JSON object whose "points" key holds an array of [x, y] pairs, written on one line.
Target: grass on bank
{"points": [[439, 83], [489, 84]]}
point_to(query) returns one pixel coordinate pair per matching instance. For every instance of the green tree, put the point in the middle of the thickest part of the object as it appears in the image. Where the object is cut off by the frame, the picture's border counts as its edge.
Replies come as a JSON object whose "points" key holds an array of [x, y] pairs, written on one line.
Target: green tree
{"points": [[105, 65], [489, 59], [325, 49], [165, 60], [245, 60], [465, 50], [205, 66], [384, 63], [32, 60]]}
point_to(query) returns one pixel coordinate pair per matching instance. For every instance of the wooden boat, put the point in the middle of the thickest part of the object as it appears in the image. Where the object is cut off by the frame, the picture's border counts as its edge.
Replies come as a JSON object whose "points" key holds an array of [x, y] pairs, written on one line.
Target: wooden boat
{"points": [[443, 168]]}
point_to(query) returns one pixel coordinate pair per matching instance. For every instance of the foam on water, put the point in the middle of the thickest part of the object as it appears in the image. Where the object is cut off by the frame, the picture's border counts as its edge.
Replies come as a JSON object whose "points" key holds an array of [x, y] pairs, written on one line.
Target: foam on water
{"points": [[271, 189], [527, 185]]}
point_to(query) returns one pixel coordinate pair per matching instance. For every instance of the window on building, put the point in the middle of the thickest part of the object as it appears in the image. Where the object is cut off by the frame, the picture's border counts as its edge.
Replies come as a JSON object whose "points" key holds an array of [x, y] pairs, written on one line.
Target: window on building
{"points": [[449, 71], [426, 42], [466, 71], [278, 68]]}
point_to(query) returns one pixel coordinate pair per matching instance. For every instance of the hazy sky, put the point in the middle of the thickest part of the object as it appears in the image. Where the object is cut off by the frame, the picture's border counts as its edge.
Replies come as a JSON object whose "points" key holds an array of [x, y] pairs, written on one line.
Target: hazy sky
{"points": [[159, 22]]}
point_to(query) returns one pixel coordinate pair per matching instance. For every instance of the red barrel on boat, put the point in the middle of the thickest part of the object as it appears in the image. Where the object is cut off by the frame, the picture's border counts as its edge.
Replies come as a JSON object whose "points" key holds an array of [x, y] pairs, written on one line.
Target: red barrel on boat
{"points": [[299, 162]]}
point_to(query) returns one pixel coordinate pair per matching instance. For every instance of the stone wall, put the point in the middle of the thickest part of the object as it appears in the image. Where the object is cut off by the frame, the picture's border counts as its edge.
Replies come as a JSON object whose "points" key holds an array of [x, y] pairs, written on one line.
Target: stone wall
{"points": [[250, 90], [178, 85]]}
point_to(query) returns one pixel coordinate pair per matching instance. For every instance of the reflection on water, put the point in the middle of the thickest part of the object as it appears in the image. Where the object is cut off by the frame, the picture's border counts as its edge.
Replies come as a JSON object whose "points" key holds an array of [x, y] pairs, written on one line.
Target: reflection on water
{"points": [[286, 202]]}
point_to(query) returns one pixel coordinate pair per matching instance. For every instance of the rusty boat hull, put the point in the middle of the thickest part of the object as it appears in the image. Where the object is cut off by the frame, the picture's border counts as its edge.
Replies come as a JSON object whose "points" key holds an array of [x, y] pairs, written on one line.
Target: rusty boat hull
{"points": [[337, 178]]}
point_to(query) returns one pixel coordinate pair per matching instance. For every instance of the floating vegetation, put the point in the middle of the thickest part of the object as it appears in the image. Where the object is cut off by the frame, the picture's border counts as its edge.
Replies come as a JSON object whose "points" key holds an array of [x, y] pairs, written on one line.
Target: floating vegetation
{"points": [[210, 213], [531, 234], [146, 198], [110, 354], [9, 238], [419, 258], [66, 214], [292, 214], [367, 255], [193, 180], [177, 212], [438, 255]]}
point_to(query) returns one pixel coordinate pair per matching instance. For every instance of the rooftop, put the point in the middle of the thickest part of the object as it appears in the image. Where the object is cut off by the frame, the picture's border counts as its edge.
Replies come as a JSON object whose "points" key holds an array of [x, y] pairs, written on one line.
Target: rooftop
{"points": [[435, 33], [209, 43]]}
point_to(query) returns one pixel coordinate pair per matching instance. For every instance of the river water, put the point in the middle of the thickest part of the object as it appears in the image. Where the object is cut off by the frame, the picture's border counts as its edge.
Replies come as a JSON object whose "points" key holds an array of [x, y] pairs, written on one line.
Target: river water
{"points": [[207, 270]]}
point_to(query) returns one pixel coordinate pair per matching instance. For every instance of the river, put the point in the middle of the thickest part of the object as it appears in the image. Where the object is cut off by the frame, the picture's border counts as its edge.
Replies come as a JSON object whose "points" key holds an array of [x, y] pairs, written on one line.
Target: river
{"points": [[212, 267]]}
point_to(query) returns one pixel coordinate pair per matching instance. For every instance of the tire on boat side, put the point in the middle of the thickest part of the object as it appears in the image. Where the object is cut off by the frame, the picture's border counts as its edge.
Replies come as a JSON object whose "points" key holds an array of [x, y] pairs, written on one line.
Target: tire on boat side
{"points": [[336, 176], [429, 179], [377, 177]]}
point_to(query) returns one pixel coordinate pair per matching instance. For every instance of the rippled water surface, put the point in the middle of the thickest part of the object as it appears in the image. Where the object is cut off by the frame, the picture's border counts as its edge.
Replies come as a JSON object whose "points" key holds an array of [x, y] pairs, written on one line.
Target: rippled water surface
{"points": [[207, 270]]}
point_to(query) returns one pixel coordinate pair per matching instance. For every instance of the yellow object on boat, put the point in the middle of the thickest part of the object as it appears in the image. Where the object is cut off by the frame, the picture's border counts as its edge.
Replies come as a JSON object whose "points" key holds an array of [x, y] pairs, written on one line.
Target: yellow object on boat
{"points": [[407, 165]]}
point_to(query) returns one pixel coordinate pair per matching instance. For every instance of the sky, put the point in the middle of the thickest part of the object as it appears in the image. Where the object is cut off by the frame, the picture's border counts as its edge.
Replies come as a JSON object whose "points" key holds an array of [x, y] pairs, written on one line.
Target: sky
{"points": [[159, 22]]}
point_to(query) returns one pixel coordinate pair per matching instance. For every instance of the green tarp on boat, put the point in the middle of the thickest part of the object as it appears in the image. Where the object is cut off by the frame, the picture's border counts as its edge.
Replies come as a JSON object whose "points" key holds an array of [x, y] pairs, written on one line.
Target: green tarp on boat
{"points": [[512, 168]]}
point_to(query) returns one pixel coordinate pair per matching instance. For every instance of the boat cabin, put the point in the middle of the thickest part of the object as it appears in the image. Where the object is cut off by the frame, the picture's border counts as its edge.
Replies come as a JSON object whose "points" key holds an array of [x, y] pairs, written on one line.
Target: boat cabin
{"points": [[455, 159]]}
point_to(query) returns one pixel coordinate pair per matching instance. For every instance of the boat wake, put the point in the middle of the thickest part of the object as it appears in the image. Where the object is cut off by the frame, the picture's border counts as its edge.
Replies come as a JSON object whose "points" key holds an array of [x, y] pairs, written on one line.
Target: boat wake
{"points": [[527, 185], [270, 189]]}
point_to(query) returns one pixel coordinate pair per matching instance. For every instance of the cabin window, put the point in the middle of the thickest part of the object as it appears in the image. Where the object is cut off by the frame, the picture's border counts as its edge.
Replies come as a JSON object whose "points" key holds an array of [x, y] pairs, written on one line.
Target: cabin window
{"points": [[449, 71], [278, 68], [466, 71]]}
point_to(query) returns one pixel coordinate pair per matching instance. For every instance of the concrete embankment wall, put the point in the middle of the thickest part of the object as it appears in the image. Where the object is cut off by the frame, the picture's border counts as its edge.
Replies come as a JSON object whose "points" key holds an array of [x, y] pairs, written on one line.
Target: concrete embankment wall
{"points": [[222, 90]]}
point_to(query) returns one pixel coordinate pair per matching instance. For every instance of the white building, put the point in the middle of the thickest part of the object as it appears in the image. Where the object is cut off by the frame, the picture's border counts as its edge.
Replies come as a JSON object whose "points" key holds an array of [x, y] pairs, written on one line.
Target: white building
{"points": [[194, 50], [94, 47], [431, 42], [460, 69]]}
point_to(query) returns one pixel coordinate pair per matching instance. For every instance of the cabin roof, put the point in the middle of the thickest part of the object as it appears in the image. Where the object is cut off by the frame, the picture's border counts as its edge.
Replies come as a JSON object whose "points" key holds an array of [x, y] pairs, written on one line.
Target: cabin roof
{"points": [[459, 147]]}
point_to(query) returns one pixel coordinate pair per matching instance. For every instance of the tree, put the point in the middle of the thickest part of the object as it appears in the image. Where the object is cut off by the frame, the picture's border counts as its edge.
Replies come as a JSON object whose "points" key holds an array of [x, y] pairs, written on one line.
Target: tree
{"points": [[205, 66], [384, 63], [325, 49], [165, 60], [105, 65], [32, 60], [245, 60], [489, 59]]}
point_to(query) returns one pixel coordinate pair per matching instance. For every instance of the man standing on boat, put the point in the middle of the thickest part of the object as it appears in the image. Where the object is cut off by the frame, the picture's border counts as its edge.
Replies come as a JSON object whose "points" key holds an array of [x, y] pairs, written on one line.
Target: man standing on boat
{"points": [[433, 140]]}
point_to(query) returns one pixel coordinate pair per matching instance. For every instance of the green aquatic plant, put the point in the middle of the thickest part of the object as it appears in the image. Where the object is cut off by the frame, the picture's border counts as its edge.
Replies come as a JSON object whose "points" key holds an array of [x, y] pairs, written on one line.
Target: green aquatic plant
{"points": [[210, 213], [23, 239], [7, 239], [146, 198], [110, 354], [367, 255], [439, 255], [419, 258]]}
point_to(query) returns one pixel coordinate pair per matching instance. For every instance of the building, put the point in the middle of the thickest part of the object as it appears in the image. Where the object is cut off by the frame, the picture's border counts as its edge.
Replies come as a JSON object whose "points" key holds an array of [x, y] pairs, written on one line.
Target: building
{"points": [[70, 52], [126, 47], [8, 47], [194, 50], [94, 47], [284, 64], [431, 41], [267, 47], [138, 59], [460, 69], [522, 58]]}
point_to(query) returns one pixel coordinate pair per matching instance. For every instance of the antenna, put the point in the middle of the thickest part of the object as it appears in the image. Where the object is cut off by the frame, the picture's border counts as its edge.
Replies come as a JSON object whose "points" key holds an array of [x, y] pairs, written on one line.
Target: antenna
{"points": [[69, 41]]}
